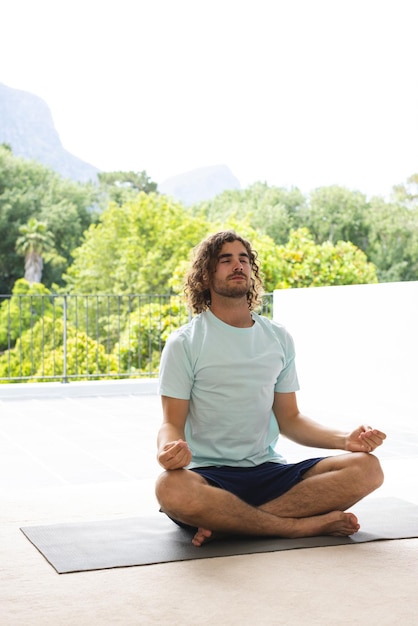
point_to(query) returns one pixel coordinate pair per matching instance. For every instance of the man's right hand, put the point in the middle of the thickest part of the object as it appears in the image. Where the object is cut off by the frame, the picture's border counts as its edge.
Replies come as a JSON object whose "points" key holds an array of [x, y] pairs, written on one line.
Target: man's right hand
{"points": [[174, 455]]}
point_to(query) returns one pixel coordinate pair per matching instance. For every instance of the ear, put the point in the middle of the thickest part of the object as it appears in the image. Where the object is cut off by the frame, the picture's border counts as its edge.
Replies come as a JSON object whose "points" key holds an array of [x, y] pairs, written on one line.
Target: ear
{"points": [[205, 279]]}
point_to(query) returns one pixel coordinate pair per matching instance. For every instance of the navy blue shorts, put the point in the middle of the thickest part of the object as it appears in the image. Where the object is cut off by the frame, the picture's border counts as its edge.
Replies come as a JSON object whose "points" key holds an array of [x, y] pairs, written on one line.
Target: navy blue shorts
{"points": [[258, 484]]}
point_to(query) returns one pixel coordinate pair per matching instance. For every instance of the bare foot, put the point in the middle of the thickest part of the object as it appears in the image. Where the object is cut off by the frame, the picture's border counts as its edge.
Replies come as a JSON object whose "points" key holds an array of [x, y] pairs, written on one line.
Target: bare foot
{"points": [[336, 523], [202, 536]]}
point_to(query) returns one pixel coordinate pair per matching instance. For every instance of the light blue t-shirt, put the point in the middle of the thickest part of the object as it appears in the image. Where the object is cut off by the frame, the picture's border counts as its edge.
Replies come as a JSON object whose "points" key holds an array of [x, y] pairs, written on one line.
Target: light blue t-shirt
{"points": [[229, 375]]}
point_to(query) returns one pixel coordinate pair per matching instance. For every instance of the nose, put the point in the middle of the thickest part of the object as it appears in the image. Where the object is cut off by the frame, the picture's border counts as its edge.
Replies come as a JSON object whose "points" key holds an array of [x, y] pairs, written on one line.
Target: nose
{"points": [[238, 266]]}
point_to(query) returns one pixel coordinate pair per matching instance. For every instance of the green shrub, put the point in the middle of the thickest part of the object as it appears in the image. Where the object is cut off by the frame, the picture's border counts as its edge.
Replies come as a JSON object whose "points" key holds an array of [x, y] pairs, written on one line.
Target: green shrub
{"points": [[27, 305], [302, 263], [39, 353], [146, 333]]}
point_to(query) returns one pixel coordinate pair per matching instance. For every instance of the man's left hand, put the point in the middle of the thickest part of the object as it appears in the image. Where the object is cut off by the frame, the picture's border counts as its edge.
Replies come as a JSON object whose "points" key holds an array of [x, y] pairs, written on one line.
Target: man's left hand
{"points": [[364, 439]]}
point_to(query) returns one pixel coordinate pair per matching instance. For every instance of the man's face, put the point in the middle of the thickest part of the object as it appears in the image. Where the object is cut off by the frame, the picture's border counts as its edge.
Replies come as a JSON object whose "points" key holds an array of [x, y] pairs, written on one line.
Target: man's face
{"points": [[232, 276]]}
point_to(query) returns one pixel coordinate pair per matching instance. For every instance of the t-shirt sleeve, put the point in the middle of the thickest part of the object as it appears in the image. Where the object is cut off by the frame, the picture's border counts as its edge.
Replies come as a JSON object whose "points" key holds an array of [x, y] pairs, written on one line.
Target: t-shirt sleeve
{"points": [[176, 373], [287, 380]]}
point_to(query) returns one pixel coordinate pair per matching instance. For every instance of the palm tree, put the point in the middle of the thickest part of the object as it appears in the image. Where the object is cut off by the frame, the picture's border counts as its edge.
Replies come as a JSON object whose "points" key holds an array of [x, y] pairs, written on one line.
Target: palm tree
{"points": [[35, 242]]}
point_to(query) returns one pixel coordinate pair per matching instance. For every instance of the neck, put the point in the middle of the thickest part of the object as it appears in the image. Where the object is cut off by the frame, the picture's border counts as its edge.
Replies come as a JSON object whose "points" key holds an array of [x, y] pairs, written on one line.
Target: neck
{"points": [[232, 311]]}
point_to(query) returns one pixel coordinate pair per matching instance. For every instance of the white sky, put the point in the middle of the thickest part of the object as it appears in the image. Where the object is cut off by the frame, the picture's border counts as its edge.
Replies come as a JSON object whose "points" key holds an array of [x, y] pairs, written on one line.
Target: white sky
{"points": [[292, 92]]}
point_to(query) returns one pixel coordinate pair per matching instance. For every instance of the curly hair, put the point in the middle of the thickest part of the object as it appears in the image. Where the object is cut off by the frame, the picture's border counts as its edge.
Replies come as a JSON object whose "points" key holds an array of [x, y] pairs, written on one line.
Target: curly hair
{"points": [[203, 267]]}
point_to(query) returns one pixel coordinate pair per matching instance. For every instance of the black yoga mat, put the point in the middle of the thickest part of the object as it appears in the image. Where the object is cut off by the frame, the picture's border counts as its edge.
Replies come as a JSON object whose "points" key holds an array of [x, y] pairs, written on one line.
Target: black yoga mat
{"points": [[124, 542]]}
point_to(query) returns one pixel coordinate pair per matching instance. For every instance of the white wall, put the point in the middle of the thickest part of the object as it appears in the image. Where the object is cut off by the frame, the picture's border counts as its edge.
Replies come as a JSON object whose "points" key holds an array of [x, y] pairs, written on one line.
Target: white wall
{"points": [[356, 350]]}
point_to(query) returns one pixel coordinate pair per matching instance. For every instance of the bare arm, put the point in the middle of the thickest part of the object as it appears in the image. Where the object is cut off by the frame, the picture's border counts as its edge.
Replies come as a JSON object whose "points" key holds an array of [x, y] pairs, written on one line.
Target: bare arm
{"points": [[306, 432], [173, 451]]}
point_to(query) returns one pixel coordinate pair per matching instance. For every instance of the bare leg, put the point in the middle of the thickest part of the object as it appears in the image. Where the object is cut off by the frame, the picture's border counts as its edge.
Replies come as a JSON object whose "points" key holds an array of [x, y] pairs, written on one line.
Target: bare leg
{"points": [[186, 496], [335, 483]]}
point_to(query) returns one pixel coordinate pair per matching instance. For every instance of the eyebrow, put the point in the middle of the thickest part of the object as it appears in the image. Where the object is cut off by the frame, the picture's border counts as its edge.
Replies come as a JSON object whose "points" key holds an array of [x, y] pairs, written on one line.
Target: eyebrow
{"points": [[228, 255]]}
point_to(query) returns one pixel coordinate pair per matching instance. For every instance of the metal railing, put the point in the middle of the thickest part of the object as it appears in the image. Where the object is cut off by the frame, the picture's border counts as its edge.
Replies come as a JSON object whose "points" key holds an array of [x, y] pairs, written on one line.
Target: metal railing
{"points": [[77, 337]]}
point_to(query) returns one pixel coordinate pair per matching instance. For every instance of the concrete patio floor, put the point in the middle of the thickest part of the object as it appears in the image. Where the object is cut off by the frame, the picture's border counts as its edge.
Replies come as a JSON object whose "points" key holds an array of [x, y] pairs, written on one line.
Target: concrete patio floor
{"points": [[86, 451]]}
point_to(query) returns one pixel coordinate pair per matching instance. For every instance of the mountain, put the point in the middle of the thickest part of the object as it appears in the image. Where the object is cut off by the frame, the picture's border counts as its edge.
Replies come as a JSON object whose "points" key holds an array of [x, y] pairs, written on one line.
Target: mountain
{"points": [[201, 184], [26, 124]]}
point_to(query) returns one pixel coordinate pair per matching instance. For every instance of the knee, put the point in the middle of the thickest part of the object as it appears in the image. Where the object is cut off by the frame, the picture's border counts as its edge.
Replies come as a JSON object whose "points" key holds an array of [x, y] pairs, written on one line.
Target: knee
{"points": [[371, 470], [172, 492], [165, 489]]}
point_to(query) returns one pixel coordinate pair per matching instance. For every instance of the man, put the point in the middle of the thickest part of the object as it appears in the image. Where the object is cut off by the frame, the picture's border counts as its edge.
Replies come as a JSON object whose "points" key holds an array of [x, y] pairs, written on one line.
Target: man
{"points": [[228, 383]]}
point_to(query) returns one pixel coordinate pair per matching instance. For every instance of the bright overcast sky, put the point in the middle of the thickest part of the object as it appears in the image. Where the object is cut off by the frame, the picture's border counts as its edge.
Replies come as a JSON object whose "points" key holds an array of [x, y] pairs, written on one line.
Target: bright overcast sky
{"points": [[292, 92]]}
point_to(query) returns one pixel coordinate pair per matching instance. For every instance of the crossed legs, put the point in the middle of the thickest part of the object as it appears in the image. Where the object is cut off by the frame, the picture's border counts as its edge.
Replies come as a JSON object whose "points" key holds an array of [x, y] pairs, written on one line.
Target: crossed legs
{"points": [[315, 506]]}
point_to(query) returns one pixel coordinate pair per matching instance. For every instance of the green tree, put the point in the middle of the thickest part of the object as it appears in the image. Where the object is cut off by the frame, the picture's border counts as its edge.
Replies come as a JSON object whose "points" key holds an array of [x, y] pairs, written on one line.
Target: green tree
{"points": [[272, 211], [302, 263], [120, 187], [28, 189], [393, 240], [407, 193], [35, 243], [337, 214], [135, 247]]}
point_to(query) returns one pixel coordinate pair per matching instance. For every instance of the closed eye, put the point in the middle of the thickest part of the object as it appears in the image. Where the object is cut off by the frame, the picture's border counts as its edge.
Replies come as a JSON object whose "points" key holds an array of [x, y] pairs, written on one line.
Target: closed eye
{"points": [[226, 258]]}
